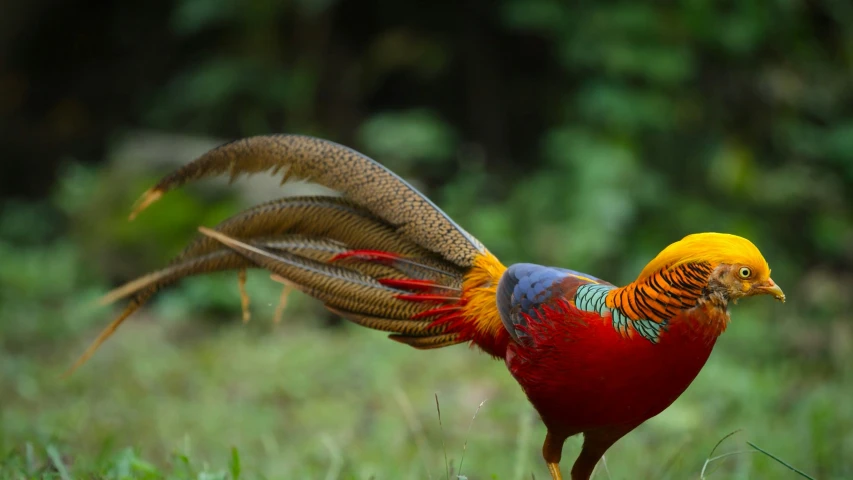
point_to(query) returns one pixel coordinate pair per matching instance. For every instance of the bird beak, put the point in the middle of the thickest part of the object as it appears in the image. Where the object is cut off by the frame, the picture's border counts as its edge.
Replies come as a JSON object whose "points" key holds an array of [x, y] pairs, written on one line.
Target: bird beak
{"points": [[769, 288]]}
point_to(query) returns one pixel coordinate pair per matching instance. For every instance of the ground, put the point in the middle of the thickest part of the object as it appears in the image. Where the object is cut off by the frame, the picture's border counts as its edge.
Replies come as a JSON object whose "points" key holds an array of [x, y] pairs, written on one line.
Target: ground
{"points": [[174, 398]]}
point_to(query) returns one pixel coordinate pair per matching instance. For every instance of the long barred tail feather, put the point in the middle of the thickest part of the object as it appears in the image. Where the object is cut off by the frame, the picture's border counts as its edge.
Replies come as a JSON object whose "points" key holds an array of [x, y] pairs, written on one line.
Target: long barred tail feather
{"points": [[326, 217], [337, 286], [382, 255], [357, 177], [215, 261]]}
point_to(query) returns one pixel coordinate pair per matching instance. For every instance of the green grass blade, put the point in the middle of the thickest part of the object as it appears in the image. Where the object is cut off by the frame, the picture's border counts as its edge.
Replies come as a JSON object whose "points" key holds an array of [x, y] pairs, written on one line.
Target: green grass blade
{"points": [[779, 460], [56, 459], [235, 464], [443, 444]]}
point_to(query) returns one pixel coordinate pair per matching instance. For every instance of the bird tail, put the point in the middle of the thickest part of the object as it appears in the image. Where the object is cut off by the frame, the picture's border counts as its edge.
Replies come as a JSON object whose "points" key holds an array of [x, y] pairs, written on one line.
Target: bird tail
{"points": [[380, 255]]}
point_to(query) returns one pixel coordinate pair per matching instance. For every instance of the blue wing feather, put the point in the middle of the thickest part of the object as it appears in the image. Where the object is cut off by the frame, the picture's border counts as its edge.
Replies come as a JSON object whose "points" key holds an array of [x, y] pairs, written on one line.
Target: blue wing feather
{"points": [[525, 287]]}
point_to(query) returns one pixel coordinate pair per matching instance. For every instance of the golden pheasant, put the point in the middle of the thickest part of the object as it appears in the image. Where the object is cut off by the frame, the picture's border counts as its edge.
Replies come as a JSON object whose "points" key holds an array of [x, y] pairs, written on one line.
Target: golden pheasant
{"points": [[384, 256]]}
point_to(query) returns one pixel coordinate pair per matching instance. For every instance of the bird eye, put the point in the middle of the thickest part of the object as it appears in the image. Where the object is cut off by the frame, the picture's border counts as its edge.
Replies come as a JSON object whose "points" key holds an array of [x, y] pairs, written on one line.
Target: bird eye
{"points": [[744, 272]]}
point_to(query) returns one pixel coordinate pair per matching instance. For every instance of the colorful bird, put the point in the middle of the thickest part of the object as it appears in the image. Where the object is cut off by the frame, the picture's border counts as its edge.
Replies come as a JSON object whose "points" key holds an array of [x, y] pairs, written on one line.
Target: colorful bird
{"points": [[382, 255]]}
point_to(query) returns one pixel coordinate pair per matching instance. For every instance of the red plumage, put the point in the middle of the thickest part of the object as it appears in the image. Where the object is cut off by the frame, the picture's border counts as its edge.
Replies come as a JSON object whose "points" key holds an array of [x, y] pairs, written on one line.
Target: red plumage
{"points": [[583, 376]]}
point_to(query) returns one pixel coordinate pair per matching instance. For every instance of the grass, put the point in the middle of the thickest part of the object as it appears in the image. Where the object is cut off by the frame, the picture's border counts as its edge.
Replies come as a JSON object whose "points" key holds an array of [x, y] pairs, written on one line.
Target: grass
{"points": [[178, 399], [178, 394], [182, 392]]}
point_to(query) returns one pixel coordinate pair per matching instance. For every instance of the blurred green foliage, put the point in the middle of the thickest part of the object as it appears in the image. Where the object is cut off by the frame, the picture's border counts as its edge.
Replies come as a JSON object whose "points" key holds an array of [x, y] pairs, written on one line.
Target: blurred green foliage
{"points": [[584, 135]]}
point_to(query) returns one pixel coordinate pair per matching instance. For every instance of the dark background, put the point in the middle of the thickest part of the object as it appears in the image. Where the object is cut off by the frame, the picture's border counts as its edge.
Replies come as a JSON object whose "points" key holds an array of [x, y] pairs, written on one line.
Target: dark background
{"points": [[588, 136]]}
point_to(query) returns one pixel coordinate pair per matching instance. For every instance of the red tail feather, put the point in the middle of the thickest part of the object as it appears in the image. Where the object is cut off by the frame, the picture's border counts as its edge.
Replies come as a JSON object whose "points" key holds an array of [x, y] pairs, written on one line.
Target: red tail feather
{"points": [[368, 256], [423, 297], [409, 284], [469, 313]]}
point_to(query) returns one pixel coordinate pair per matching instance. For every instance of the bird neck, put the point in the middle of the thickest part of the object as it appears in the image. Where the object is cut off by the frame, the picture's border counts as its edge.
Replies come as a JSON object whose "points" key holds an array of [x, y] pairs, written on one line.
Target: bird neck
{"points": [[663, 294]]}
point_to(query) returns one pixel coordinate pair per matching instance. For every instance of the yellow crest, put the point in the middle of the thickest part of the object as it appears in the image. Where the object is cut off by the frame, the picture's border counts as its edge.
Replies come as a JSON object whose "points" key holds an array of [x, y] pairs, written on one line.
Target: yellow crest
{"points": [[714, 248]]}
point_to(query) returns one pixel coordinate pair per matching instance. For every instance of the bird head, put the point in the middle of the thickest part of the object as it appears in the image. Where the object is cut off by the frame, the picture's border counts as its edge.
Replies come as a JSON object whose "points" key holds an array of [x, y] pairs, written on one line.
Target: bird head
{"points": [[738, 268]]}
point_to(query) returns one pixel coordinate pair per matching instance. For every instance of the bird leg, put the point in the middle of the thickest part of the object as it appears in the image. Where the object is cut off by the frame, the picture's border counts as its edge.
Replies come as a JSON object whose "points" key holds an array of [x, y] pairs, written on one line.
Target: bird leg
{"points": [[552, 450], [595, 444]]}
